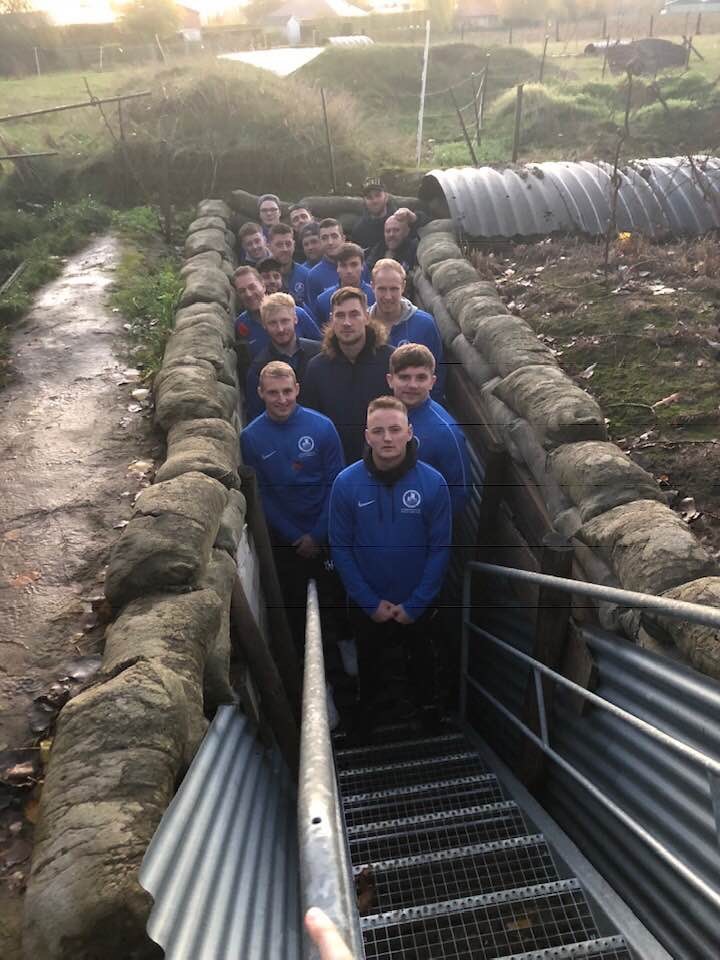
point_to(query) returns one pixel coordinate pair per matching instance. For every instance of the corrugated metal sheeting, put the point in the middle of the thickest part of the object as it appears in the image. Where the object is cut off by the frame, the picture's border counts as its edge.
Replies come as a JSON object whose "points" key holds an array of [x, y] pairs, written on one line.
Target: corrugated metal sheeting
{"points": [[666, 793], [658, 198], [223, 865]]}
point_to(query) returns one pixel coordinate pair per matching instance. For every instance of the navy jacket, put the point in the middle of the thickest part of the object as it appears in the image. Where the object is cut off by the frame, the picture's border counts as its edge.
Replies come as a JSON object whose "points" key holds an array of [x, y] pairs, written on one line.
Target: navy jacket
{"points": [[295, 283], [442, 444], [391, 542], [322, 276], [406, 254], [249, 329], [306, 349], [342, 390], [295, 463], [322, 304], [369, 231]]}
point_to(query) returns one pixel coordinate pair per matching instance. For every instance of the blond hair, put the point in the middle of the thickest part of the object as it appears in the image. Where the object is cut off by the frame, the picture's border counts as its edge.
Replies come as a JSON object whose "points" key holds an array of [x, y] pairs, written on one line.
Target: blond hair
{"points": [[387, 403], [275, 302], [276, 369], [387, 264]]}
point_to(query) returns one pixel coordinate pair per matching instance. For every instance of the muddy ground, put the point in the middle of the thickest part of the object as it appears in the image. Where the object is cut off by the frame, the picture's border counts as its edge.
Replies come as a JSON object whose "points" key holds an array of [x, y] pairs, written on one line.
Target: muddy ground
{"points": [[643, 338], [75, 448]]}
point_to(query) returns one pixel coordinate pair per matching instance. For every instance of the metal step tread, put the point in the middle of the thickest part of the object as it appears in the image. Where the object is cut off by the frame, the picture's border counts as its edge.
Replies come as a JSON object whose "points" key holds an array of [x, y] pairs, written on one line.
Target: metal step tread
{"points": [[603, 948], [409, 749], [493, 925], [434, 799], [415, 824], [372, 777]]}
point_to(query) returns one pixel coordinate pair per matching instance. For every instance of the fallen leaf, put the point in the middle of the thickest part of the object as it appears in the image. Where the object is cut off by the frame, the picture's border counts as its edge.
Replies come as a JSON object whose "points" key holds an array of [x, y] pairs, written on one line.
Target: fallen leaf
{"points": [[666, 401], [588, 372], [134, 408], [24, 579], [120, 525], [32, 809]]}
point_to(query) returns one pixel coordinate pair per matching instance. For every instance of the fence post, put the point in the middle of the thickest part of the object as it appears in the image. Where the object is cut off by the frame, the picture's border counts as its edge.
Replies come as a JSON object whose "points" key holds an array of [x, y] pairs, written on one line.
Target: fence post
{"points": [[518, 122], [603, 32], [483, 96], [468, 141], [101, 58], [510, 35], [652, 24], [37, 61], [557, 30], [423, 86], [605, 55], [542, 61], [476, 104], [331, 158], [698, 24]]}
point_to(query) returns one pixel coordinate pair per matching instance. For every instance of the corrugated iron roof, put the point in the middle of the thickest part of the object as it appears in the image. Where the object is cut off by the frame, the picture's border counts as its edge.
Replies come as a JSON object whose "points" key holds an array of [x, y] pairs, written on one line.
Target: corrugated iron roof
{"points": [[223, 864], [660, 197]]}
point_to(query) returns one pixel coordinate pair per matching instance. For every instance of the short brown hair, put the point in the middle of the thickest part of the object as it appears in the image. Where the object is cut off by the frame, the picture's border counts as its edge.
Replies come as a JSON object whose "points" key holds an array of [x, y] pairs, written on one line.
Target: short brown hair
{"points": [[411, 355], [348, 293], [248, 229], [348, 251], [387, 264], [386, 403], [275, 370], [244, 270], [274, 302], [280, 230], [329, 222]]}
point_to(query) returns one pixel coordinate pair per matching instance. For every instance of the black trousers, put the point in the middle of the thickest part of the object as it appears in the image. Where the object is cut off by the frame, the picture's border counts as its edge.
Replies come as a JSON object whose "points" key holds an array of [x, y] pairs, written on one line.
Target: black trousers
{"points": [[380, 645]]}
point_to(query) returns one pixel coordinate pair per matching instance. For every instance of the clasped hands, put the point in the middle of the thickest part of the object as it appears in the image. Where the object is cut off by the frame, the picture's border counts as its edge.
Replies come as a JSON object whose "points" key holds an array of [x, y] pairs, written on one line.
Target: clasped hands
{"points": [[391, 611]]}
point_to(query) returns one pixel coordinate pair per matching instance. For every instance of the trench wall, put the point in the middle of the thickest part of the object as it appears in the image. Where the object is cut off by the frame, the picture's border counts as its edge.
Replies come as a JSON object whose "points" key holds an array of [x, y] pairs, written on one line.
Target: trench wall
{"points": [[122, 745], [611, 510]]}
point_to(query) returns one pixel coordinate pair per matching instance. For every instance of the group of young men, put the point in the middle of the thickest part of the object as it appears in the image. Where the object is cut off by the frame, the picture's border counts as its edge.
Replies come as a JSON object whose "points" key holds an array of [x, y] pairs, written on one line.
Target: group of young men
{"points": [[361, 469]]}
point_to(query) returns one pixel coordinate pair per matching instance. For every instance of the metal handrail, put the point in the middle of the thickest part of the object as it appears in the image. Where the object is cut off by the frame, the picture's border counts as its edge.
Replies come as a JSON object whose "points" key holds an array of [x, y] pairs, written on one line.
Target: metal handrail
{"points": [[325, 873], [696, 613]]}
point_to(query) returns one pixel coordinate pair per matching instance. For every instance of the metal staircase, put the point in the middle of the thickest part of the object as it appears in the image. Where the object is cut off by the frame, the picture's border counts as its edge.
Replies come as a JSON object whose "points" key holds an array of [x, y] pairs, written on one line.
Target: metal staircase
{"points": [[446, 864]]}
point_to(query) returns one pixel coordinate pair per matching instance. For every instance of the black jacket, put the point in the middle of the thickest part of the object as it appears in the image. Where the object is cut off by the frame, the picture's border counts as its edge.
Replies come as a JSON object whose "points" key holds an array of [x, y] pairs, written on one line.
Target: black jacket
{"points": [[406, 253], [342, 390], [298, 361]]}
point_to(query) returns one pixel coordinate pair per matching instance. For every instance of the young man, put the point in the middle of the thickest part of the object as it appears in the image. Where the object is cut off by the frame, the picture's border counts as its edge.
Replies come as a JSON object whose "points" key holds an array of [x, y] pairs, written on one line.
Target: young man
{"points": [[268, 212], [248, 328], [309, 238], [325, 274], [253, 246], [389, 529], [379, 205], [350, 269], [440, 440], [294, 275], [401, 319], [279, 320], [397, 244], [300, 216], [296, 454], [351, 369]]}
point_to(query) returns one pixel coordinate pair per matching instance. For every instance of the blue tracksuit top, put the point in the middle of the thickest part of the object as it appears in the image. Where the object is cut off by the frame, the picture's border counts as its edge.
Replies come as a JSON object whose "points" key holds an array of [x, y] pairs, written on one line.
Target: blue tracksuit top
{"points": [[322, 304], [249, 329], [322, 276], [417, 326], [391, 542], [295, 283], [441, 443], [296, 462]]}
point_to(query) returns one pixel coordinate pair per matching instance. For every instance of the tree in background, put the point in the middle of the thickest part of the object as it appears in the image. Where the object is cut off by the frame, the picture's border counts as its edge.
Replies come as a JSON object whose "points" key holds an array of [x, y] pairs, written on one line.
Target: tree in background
{"points": [[441, 13], [145, 18]]}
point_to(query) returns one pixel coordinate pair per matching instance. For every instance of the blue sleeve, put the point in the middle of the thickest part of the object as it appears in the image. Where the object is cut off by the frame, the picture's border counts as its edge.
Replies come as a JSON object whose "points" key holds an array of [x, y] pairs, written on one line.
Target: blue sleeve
{"points": [[253, 404], [439, 528], [340, 534], [457, 470], [333, 463], [312, 288], [306, 326], [322, 308], [269, 494]]}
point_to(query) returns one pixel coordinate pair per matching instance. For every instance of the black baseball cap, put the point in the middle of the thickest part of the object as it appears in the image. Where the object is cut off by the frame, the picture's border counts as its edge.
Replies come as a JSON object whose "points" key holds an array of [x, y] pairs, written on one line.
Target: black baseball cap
{"points": [[373, 183], [267, 264]]}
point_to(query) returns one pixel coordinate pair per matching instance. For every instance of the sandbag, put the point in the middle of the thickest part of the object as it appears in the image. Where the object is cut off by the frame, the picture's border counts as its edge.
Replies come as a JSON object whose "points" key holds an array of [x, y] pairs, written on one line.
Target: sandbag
{"points": [[450, 274], [476, 367], [223, 325], [219, 578], [323, 207], [475, 310], [456, 298], [598, 476], [559, 411], [206, 446], [200, 340], [438, 226], [430, 300], [166, 544], [207, 223], [436, 248], [698, 643], [648, 546], [246, 204], [205, 240], [210, 258], [206, 285], [191, 393], [509, 343], [214, 208], [175, 631], [116, 757], [232, 523], [201, 309]]}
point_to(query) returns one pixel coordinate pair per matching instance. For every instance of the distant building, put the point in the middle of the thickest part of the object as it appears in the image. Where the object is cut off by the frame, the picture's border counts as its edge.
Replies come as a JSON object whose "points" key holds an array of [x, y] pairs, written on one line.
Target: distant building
{"points": [[190, 28], [477, 15], [303, 20], [691, 6]]}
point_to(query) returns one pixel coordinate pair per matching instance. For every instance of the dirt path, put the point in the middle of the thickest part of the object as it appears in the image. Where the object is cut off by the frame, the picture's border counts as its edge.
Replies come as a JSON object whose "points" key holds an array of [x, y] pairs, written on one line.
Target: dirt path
{"points": [[72, 457]]}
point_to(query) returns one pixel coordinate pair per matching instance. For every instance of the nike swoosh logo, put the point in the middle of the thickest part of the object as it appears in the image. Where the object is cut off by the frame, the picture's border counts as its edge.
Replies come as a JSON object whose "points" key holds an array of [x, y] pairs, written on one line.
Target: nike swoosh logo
{"points": [[366, 503], [266, 456]]}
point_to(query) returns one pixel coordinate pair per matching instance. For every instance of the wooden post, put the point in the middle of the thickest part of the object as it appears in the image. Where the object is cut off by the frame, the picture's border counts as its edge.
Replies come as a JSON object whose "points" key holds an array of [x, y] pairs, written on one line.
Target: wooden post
{"points": [[37, 60], [331, 158], [281, 641], [101, 58], [518, 122], [604, 31], [468, 141], [483, 96], [652, 24], [510, 35], [698, 24], [688, 49], [605, 56], [476, 104], [551, 632], [423, 88], [160, 49], [542, 60], [557, 30], [274, 703]]}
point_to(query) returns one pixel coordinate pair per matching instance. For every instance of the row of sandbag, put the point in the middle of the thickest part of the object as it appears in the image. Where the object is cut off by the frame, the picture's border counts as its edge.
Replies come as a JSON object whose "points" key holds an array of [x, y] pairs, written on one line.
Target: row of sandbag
{"points": [[613, 511], [122, 745]]}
